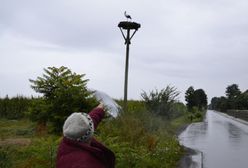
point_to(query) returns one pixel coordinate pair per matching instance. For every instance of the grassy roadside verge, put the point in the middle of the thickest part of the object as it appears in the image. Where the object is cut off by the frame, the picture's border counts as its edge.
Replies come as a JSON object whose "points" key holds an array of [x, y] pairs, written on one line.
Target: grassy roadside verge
{"points": [[138, 138], [141, 139]]}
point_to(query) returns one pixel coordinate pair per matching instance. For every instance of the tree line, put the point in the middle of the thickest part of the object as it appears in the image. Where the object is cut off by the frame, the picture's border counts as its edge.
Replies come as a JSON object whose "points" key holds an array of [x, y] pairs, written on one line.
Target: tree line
{"points": [[15, 107], [233, 100], [196, 99], [196, 102], [63, 91]]}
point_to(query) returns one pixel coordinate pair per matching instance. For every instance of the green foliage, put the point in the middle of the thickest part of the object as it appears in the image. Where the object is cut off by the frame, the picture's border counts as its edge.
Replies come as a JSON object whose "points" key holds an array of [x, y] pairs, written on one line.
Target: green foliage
{"points": [[233, 95], [38, 110], [243, 101], [189, 97], [196, 115], [20, 148], [14, 108], [138, 138], [235, 99], [196, 98], [196, 103], [41, 153], [142, 139], [161, 102], [64, 92], [201, 99], [178, 109], [5, 159], [16, 128], [219, 103], [232, 91]]}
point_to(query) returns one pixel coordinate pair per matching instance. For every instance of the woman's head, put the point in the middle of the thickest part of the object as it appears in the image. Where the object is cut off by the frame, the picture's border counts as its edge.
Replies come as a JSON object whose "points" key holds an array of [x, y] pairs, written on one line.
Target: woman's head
{"points": [[78, 126]]}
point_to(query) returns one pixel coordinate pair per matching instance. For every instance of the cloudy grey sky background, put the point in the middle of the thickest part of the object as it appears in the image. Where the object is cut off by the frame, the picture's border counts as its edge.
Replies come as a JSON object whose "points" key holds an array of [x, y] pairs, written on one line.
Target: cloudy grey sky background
{"points": [[180, 43]]}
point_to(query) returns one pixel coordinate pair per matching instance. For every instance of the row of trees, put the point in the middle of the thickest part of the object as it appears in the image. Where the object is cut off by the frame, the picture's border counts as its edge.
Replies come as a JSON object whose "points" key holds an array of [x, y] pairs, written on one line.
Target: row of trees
{"points": [[234, 99], [196, 102], [14, 108], [165, 102], [64, 92], [196, 99]]}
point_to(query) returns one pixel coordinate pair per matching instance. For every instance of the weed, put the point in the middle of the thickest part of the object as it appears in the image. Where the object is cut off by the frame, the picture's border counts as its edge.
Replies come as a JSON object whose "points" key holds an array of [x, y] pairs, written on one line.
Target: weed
{"points": [[5, 157]]}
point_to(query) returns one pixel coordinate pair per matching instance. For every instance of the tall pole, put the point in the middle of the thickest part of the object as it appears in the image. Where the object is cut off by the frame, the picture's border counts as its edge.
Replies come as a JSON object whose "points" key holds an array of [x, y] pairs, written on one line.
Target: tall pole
{"points": [[126, 69], [128, 26]]}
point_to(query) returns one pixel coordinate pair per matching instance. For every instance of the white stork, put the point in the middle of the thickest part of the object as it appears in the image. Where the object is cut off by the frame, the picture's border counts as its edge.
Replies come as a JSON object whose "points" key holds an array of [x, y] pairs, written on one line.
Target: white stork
{"points": [[127, 16]]}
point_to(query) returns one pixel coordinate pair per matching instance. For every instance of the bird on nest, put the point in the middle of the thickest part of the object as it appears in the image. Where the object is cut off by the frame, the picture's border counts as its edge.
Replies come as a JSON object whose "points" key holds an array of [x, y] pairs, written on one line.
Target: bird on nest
{"points": [[127, 16]]}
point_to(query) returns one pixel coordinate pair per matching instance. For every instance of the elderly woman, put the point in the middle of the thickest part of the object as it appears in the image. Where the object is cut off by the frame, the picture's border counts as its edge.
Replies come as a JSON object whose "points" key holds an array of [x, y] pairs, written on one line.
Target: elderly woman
{"points": [[78, 148]]}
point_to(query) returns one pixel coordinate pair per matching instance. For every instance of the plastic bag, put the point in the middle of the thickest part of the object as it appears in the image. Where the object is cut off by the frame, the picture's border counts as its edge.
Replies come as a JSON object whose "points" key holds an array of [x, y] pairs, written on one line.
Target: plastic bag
{"points": [[112, 107]]}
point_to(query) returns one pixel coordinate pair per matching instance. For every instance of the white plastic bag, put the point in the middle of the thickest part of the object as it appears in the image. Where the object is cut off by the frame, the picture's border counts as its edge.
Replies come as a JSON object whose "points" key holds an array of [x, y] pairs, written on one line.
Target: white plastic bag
{"points": [[112, 107]]}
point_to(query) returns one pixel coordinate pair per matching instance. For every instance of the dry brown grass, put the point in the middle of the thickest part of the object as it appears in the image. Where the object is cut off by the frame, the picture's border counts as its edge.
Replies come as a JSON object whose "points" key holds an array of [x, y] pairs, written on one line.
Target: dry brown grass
{"points": [[15, 141]]}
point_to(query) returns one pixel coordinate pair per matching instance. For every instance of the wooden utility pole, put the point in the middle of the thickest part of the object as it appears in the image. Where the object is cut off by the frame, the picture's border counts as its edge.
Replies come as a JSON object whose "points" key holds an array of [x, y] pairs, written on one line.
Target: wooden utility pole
{"points": [[127, 25]]}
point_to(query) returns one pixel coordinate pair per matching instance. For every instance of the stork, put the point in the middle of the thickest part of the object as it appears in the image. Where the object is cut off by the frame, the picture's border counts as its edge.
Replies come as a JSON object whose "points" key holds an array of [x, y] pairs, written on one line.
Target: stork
{"points": [[127, 16]]}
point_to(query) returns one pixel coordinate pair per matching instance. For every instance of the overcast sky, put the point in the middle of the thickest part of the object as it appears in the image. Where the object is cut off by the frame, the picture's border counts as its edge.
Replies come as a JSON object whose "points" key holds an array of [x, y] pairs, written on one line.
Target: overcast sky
{"points": [[181, 43]]}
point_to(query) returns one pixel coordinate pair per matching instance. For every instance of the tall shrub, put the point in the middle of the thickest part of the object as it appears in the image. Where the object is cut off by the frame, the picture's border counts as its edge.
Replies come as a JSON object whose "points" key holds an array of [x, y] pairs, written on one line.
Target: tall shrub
{"points": [[64, 92], [161, 102]]}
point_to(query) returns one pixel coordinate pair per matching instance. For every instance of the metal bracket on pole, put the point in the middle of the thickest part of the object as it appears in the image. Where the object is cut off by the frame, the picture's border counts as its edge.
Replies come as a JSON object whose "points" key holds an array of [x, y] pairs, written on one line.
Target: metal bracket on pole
{"points": [[133, 35], [123, 34]]}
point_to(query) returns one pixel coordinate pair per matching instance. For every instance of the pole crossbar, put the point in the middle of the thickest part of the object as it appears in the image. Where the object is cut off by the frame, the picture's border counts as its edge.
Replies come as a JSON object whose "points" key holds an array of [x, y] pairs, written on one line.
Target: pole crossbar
{"points": [[123, 34]]}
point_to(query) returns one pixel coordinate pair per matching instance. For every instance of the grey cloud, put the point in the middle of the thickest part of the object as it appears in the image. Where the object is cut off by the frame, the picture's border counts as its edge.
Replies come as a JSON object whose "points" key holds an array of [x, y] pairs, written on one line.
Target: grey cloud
{"points": [[178, 40], [62, 23]]}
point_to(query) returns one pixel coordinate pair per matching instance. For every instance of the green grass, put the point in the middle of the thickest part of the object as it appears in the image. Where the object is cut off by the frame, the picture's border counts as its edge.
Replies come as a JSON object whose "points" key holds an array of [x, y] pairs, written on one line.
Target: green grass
{"points": [[16, 128], [21, 148], [138, 139], [40, 153]]}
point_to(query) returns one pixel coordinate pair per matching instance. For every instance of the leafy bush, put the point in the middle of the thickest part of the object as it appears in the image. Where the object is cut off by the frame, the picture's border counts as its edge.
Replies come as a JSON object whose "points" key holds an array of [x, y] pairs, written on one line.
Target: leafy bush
{"points": [[196, 115], [64, 92], [161, 102], [140, 139]]}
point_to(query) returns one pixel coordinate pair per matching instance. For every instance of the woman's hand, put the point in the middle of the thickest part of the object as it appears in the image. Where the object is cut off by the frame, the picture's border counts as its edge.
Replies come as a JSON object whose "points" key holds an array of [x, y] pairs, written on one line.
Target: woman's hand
{"points": [[101, 105]]}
